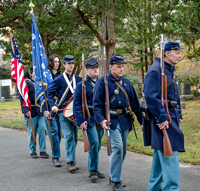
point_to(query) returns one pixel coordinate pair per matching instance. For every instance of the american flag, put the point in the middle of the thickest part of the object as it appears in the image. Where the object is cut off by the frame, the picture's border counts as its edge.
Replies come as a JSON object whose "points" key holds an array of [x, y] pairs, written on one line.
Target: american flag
{"points": [[17, 73]]}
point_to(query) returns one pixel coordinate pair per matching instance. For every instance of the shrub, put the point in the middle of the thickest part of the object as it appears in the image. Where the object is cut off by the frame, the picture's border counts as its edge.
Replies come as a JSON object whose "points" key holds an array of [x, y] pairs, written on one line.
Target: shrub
{"points": [[135, 80]]}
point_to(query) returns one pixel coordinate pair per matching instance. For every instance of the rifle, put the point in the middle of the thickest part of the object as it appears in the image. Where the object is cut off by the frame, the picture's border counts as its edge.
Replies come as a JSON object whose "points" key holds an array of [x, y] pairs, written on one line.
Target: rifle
{"points": [[107, 106], [85, 108], [48, 120], [167, 148]]}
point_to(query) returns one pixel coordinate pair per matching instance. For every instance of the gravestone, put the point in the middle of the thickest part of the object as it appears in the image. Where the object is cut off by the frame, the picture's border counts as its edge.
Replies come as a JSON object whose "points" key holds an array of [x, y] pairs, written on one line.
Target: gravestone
{"points": [[186, 92], [5, 92]]}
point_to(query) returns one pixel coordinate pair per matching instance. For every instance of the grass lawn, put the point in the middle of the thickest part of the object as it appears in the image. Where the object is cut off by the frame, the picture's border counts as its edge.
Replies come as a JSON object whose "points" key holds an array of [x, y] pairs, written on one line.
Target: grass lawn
{"points": [[12, 117]]}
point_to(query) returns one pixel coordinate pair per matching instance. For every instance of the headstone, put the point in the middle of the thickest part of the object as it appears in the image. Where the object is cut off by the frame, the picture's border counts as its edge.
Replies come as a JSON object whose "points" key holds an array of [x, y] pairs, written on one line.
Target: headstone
{"points": [[2, 99], [5, 92], [186, 92], [183, 106], [185, 88]]}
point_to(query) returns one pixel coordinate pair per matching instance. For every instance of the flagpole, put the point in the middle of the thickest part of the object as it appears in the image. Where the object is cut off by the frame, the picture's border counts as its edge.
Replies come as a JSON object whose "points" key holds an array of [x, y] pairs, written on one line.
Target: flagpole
{"points": [[45, 97], [12, 42]]}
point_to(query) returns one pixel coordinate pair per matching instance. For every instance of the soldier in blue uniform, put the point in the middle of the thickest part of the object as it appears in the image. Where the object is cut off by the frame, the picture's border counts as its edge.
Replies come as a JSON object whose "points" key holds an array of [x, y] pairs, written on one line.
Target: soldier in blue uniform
{"points": [[66, 82], [94, 135], [166, 169], [54, 65], [37, 121], [121, 123]]}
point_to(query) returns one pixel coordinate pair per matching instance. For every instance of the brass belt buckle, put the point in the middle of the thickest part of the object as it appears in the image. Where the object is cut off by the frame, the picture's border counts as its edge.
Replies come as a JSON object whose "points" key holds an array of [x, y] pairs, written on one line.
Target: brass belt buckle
{"points": [[119, 111]]}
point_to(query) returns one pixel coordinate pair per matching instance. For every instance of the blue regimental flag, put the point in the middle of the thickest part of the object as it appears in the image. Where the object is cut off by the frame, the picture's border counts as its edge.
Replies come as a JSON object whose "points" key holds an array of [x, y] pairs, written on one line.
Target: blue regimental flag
{"points": [[42, 75]]}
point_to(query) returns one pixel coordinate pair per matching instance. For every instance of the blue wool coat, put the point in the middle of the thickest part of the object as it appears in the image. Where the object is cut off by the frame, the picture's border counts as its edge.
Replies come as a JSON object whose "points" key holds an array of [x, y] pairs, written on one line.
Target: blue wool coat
{"points": [[120, 102], [55, 75], [77, 104], [31, 94], [152, 87], [58, 88]]}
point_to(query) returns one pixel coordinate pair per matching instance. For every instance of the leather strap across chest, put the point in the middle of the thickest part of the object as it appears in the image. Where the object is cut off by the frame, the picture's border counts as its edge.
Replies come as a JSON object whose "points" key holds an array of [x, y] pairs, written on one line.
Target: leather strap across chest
{"points": [[72, 89], [92, 84]]}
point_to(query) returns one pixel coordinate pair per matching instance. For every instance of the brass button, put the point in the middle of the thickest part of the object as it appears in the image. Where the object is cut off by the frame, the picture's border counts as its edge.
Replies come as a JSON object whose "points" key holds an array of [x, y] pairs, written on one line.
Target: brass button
{"points": [[144, 114], [175, 98], [155, 117], [119, 101], [175, 93], [157, 121]]}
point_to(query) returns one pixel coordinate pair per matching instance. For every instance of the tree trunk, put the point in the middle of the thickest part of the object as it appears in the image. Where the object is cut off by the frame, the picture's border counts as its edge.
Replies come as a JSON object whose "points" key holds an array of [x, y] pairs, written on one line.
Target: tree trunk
{"points": [[104, 33], [44, 37], [142, 68], [106, 28]]}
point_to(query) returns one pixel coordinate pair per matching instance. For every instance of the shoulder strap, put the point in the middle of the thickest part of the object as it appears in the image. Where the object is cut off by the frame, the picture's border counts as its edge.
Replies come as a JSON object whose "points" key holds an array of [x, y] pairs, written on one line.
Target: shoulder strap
{"points": [[114, 95], [69, 84], [92, 84], [131, 111], [64, 95], [124, 91], [171, 84]]}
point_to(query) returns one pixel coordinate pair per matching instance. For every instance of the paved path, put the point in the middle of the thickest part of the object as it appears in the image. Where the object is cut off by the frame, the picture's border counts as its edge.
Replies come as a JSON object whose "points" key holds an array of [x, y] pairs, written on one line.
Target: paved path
{"points": [[18, 172]]}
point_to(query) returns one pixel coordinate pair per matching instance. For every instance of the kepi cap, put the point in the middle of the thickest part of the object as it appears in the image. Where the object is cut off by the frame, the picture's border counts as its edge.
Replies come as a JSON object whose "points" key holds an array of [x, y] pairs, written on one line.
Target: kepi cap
{"points": [[172, 45], [117, 59], [68, 59], [91, 63]]}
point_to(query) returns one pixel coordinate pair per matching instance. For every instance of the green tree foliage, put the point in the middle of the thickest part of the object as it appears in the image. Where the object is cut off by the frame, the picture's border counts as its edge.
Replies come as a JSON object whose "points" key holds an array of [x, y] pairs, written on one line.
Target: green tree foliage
{"points": [[146, 20], [57, 21], [4, 73]]}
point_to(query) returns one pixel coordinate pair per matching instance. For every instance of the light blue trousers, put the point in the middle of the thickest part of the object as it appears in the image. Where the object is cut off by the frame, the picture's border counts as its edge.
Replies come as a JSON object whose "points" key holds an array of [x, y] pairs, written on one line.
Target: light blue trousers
{"points": [[55, 137], [118, 146], [94, 137], [38, 126], [164, 170], [71, 137]]}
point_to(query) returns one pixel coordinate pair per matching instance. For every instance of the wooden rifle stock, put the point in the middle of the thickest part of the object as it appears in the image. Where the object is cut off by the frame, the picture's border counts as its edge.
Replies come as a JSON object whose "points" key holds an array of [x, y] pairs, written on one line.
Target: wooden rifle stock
{"points": [[167, 148], [84, 108], [48, 120], [32, 129], [107, 106]]}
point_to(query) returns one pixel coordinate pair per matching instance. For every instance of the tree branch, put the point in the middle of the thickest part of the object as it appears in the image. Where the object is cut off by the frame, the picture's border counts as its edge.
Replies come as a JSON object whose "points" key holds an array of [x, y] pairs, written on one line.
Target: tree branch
{"points": [[91, 26]]}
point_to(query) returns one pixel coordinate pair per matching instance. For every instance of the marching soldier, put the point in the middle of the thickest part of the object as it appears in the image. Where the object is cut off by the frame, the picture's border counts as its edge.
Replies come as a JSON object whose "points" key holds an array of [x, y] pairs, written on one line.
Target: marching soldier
{"points": [[63, 87], [94, 135], [37, 121], [121, 123], [54, 65], [164, 169]]}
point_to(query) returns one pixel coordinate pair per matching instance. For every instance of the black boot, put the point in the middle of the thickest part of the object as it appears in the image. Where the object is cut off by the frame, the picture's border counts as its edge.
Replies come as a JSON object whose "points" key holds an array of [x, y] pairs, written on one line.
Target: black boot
{"points": [[117, 186], [93, 175], [100, 175], [124, 185], [56, 162], [34, 156], [44, 155]]}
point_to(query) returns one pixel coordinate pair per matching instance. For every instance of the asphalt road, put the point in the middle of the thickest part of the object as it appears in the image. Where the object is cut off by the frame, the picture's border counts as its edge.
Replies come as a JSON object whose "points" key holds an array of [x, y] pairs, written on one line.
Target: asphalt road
{"points": [[19, 172]]}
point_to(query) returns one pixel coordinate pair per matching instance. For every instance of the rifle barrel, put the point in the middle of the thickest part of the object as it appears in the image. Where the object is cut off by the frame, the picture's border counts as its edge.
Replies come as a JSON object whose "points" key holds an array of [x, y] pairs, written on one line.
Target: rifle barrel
{"points": [[107, 106]]}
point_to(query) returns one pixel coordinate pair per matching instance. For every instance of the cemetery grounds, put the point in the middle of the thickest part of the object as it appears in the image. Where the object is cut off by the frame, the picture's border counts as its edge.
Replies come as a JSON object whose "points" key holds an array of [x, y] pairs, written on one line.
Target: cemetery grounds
{"points": [[12, 117]]}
